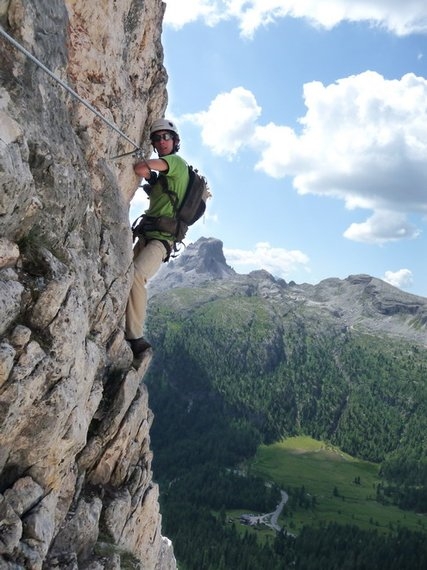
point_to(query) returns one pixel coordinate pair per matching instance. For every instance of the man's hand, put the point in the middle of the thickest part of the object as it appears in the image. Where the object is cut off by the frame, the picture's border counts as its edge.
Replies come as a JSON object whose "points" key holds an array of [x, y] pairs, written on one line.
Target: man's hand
{"points": [[144, 167], [142, 170]]}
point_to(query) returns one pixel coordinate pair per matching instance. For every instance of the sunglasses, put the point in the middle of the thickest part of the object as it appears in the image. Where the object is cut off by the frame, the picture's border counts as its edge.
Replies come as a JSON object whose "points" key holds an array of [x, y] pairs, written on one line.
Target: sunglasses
{"points": [[163, 137]]}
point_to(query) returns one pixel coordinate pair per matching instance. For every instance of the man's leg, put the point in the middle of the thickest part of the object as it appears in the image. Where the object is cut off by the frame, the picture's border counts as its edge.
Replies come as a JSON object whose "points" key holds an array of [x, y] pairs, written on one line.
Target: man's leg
{"points": [[147, 261]]}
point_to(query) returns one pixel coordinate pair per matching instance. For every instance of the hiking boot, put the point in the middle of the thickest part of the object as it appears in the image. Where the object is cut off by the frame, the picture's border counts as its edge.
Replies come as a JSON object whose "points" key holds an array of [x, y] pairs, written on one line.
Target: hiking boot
{"points": [[138, 346]]}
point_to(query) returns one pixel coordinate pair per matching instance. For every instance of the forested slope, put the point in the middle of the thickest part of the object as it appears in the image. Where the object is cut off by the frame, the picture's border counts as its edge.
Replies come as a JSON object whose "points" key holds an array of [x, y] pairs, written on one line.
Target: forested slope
{"points": [[282, 370], [235, 367]]}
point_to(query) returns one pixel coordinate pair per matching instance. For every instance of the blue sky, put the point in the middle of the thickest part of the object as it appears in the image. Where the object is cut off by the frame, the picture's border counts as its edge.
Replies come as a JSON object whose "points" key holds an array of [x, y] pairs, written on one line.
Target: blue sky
{"points": [[309, 119]]}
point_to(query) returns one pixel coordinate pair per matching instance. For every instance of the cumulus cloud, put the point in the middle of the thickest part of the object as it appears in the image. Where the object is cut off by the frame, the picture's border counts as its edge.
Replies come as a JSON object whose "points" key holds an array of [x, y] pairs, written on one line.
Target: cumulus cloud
{"points": [[229, 122], [178, 13], [277, 261], [400, 18], [363, 140], [381, 228], [402, 278]]}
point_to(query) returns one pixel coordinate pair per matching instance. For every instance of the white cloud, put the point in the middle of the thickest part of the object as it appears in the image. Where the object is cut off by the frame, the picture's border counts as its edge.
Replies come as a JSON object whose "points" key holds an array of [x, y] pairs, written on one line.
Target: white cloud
{"points": [[230, 121], [402, 278], [181, 12], [398, 17], [138, 204], [362, 140], [381, 228], [277, 261]]}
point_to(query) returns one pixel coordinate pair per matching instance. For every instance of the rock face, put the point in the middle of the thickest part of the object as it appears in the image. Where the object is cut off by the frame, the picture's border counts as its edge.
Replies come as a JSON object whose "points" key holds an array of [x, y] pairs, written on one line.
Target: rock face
{"points": [[76, 485], [200, 262]]}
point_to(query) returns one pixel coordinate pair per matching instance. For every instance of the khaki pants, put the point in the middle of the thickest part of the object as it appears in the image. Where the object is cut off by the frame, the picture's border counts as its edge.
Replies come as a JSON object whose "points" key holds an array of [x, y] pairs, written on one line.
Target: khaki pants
{"points": [[147, 259]]}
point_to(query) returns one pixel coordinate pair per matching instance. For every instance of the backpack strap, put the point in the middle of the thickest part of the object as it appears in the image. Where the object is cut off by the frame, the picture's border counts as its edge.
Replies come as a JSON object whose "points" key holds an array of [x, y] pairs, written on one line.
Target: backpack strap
{"points": [[180, 228], [173, 196]]}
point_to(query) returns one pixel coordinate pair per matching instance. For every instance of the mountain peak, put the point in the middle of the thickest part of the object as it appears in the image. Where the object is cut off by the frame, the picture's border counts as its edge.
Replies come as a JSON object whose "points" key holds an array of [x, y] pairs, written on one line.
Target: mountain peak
{"points": [[201, 261]]}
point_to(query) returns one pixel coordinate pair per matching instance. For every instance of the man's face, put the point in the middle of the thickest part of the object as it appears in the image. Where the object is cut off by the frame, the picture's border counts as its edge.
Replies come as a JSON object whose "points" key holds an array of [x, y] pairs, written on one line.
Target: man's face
{"points": [[163, 142]]}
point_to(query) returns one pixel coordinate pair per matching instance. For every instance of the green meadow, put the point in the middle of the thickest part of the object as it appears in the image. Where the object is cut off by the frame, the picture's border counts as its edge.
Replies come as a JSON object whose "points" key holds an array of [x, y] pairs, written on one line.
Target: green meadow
{"points": [[335, 486]]}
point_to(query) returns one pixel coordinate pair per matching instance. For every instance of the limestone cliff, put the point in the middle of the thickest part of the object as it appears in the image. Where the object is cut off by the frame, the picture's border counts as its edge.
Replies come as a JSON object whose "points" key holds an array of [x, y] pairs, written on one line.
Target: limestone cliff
{"points": [[76, 483]]}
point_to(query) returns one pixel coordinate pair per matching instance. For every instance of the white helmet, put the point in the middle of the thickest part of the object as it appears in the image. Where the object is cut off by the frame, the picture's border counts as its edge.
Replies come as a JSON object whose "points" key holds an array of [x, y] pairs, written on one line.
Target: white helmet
{"points": [[163, 125]]}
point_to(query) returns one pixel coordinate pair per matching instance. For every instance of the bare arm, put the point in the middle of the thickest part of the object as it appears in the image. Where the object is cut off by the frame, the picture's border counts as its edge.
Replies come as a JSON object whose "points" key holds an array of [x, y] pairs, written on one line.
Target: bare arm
{"points": [[145, 167]]}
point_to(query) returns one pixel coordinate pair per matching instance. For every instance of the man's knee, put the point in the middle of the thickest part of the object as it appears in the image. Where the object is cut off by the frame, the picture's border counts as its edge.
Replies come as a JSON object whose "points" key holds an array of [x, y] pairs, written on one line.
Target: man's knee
{"points": [[140, 278]]}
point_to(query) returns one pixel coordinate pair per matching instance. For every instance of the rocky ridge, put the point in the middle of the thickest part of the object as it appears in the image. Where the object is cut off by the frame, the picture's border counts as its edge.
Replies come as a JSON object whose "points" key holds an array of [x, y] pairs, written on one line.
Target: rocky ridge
{"points": [[359, 302], [76, 485]]}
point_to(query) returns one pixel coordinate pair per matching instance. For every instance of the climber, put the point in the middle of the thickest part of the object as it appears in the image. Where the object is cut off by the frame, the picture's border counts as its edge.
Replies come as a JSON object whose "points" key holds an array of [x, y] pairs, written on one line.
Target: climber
{"points": [[153, 246]]}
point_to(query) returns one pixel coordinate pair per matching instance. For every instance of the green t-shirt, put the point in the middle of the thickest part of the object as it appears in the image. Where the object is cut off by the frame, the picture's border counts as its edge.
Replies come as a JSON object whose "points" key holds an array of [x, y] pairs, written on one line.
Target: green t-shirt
{"points": [[160, 203]]}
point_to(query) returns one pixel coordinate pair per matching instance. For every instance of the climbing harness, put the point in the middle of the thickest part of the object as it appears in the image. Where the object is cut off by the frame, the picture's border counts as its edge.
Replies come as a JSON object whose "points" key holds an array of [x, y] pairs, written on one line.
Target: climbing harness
{"points": [[137, 152]]}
